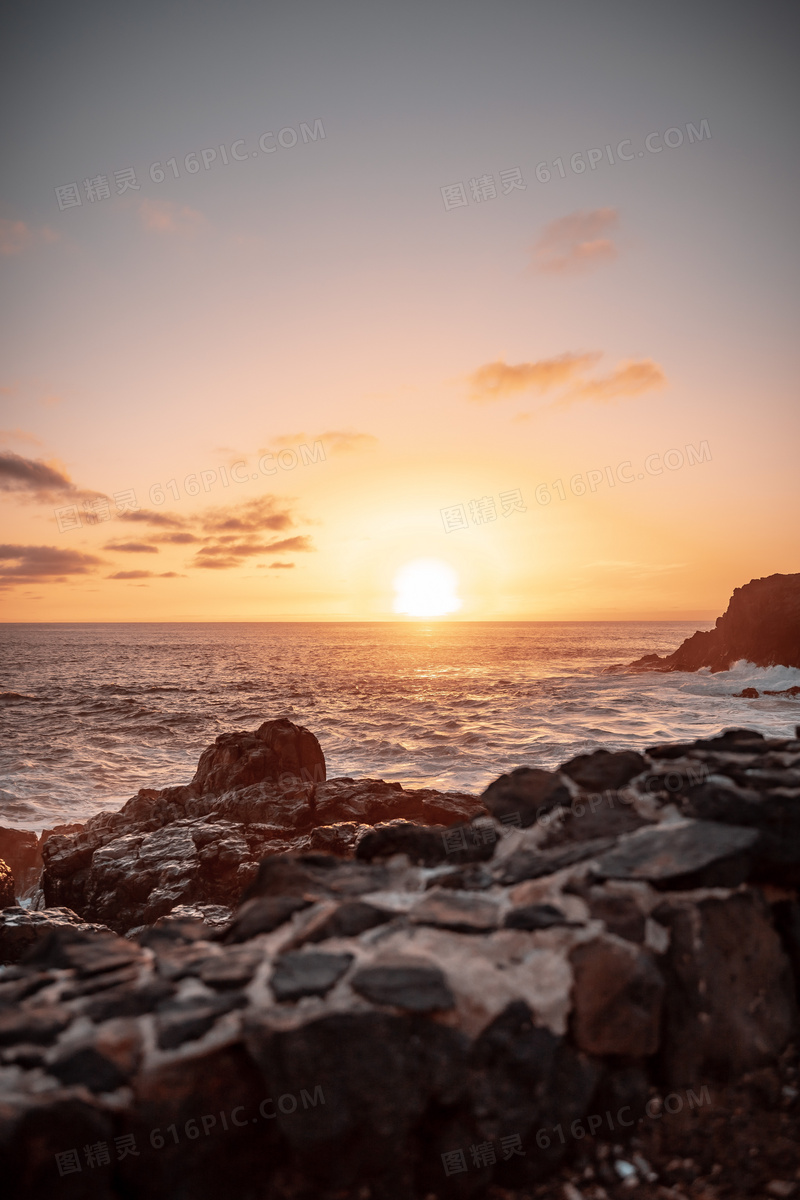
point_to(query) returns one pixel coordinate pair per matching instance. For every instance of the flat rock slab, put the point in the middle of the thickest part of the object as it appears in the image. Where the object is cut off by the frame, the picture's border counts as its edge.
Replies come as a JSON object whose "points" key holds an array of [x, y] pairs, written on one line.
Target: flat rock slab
{"points": [[307, 973], [467, 912], [525, 863], [536, 916], [417, 988], [682, 855]]}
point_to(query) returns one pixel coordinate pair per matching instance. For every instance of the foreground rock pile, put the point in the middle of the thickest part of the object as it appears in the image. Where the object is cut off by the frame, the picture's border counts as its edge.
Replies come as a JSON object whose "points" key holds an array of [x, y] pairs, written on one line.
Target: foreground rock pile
{"points": [[440, 1008]]}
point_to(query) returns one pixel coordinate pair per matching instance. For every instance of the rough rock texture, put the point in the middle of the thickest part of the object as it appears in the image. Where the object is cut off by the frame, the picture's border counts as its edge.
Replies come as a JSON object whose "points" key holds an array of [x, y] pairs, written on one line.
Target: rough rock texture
{"points": [[200, 844], [21, 929], [760, 624], [21, 850], [361, 1020], [6, 885]]}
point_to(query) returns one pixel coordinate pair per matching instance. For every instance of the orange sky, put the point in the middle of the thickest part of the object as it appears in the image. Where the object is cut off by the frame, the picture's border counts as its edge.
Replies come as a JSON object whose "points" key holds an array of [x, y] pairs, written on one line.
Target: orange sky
{"points": [[618, 340]]}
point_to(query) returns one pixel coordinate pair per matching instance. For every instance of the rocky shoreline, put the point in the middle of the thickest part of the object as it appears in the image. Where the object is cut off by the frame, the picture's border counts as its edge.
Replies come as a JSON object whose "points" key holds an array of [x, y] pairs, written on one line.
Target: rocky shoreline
{"points": [[761, 624], [267, 984]]}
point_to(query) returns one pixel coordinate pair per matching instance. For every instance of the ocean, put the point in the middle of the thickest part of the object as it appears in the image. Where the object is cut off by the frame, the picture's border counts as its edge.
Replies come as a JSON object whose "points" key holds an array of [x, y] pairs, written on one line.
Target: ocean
{"points": [[90, 713]]}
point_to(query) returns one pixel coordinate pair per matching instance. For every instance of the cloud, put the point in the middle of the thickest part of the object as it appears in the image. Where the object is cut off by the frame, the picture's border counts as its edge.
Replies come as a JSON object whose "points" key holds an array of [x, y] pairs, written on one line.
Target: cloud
{"points": [[26, 564], [37, 480], [253, 516], [175, 539], [496, 380], [146, 516], [226, 553], [631, 377], [19, 435], [279, 566], [145, 575], [576, 242], [16, 236], [229, 535], [162, 216], [334, 441]]}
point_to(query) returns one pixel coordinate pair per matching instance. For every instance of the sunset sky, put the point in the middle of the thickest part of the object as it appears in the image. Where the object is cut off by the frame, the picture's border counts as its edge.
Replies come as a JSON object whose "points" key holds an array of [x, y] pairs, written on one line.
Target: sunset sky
{"points": [[379, 325]]}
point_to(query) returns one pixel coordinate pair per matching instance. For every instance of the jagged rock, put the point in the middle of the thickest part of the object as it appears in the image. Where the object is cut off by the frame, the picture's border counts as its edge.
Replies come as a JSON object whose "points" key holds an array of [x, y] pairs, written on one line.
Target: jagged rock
{"points": [[278, 751], [6, 886], [364, 1016], [19, 850], [761, 624], [729, 1005], [22, 929], [775, 813], [526, 793], [682, 855], [193, 846], [602, 770]]}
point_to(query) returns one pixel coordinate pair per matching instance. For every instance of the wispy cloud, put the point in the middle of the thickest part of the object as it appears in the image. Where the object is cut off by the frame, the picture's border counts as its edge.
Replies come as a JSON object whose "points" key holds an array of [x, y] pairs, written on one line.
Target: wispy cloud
{"points": [[132, 547], [576, 242], [567, 373], [631, 377], [19, 435], [496, 380], [164, 217], [334, 441], [36, 480], [16, 236], [145, 575], [26, 564]]}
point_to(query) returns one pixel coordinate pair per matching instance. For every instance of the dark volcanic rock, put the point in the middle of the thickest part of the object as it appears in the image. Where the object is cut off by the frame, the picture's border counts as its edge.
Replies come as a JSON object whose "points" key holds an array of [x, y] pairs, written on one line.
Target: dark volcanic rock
{"points": [[682, 855], [730, 1002], [6, 886], [307, 973], [278, 751], [19, 850], [535, 916], [415, 987], [261, 915], [200, 845], [526, 792], [618, 997], [761, 624], [22, 929], [357, 1019], [601, 770]]}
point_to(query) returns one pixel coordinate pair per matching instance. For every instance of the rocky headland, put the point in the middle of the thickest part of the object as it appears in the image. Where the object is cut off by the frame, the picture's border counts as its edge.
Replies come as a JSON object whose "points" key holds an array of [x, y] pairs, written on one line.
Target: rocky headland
{"points": [[268, 984], [761, 624]]}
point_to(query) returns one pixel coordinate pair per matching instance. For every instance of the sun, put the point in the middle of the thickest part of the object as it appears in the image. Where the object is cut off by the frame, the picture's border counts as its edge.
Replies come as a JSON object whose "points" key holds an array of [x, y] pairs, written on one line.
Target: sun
{"points": [[426, 587]]}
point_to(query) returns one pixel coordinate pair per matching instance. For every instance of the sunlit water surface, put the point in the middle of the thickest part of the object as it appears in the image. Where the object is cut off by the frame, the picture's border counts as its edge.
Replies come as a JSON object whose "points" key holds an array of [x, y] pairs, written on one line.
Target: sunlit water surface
{"points": [[91, 713]]}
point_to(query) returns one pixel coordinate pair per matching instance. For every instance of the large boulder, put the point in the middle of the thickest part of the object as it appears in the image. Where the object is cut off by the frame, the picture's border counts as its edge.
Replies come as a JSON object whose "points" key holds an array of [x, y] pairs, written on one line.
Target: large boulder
{"points": [[761, 624], [278, 751]]}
